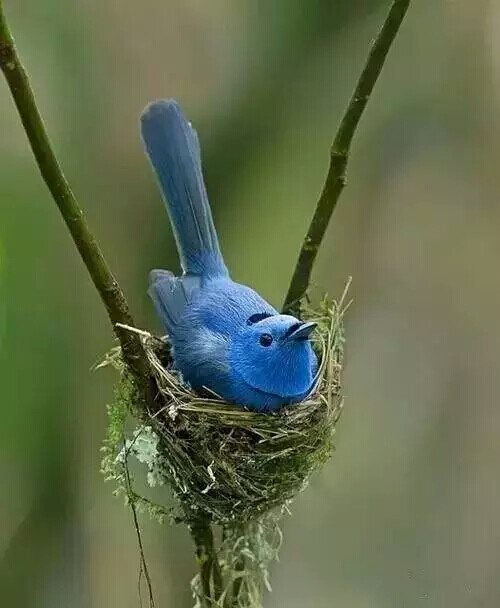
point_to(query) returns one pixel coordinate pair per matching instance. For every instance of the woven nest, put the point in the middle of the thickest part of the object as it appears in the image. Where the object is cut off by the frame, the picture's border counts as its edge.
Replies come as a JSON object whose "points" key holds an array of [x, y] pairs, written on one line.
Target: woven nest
{"points": [[229, 463]]}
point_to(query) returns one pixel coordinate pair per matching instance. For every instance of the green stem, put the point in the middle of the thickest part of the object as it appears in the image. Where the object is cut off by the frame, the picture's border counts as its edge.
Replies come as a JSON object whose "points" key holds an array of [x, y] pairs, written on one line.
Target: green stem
{"points": [[108, 288], [206, 555], [339, 155]]}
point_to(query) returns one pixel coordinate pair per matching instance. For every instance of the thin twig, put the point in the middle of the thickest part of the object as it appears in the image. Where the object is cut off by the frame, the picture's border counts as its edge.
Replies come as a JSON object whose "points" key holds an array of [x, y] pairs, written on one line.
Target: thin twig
{"points": [[108, 288], [143, 568], [339, 155]]}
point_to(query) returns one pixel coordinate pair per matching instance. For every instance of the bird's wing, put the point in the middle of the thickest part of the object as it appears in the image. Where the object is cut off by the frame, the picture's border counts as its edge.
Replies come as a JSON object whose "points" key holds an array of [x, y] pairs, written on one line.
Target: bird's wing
{"points": [[171, 295]]}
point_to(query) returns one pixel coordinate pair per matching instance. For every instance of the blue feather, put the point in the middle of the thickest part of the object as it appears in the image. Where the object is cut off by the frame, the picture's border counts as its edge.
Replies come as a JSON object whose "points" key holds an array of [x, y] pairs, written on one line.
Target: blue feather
{"points": [[174, 150]]}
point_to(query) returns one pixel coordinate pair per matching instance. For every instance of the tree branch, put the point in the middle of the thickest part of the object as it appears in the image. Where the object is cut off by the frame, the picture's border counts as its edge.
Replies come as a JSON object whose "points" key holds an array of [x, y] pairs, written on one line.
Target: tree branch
{"points": [[208, 562], [89, 250], [339, 155]]}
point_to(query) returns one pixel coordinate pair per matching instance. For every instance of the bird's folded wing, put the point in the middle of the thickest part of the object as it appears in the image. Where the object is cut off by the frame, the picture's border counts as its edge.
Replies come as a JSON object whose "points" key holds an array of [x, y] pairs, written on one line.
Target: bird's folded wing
{"points": [[171, 295]]}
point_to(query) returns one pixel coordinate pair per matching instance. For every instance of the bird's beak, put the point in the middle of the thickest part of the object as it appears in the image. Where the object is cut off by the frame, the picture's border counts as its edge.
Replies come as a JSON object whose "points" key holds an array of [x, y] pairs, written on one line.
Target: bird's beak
{"points": [[303, 331]]}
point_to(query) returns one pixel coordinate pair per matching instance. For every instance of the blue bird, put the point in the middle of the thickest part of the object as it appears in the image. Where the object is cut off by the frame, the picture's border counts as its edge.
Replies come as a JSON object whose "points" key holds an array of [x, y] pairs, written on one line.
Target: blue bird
{"points": [[225, 337]]}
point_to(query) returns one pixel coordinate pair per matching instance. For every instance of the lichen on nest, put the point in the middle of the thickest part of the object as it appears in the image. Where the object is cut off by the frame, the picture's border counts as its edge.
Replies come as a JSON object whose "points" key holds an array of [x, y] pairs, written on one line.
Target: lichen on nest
{"points": [[223, 461]]}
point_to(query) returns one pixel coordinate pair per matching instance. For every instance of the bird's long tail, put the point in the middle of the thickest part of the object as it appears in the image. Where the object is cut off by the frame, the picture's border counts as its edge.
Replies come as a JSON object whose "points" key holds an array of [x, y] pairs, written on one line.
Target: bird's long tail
{"points": [[174, 150]]}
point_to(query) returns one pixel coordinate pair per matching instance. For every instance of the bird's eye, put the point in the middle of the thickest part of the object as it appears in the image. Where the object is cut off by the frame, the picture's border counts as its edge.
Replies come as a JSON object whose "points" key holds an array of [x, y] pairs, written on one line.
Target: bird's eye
{"points": [[266, 340]]}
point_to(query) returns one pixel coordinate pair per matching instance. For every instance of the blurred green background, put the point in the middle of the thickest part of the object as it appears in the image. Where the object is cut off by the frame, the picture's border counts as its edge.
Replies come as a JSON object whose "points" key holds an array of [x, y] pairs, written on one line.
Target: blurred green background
{"points": [[407, 512]]}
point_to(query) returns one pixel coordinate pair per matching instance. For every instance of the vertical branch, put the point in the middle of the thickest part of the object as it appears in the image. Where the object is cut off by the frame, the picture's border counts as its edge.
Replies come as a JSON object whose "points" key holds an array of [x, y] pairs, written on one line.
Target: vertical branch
{"points": [[104, 281], [208, 562], [339, 155]]}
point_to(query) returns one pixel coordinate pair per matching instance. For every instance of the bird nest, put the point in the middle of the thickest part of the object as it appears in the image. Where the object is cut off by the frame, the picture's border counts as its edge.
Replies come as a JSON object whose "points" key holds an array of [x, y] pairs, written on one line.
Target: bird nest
{"points": [[223, 461]]}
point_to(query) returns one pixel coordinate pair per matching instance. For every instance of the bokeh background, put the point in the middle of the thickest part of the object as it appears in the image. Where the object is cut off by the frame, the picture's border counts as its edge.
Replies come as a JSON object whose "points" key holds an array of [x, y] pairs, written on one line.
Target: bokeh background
{"points": [[406, 514]]}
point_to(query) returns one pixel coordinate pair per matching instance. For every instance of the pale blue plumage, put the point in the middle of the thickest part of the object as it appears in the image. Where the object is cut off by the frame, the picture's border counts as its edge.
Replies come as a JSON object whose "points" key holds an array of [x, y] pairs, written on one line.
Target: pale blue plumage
{"points": [[225, 337]]}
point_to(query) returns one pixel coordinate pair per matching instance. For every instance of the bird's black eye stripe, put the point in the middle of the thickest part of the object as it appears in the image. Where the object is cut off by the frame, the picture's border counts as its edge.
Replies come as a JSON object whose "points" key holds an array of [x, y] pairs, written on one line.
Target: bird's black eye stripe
{"points": [[291, 329], [259, 316]]}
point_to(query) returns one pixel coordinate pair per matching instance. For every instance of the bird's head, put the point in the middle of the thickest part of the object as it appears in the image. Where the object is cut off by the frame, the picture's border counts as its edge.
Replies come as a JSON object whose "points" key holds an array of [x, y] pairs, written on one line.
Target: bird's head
{"points": [[273, 354]]}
